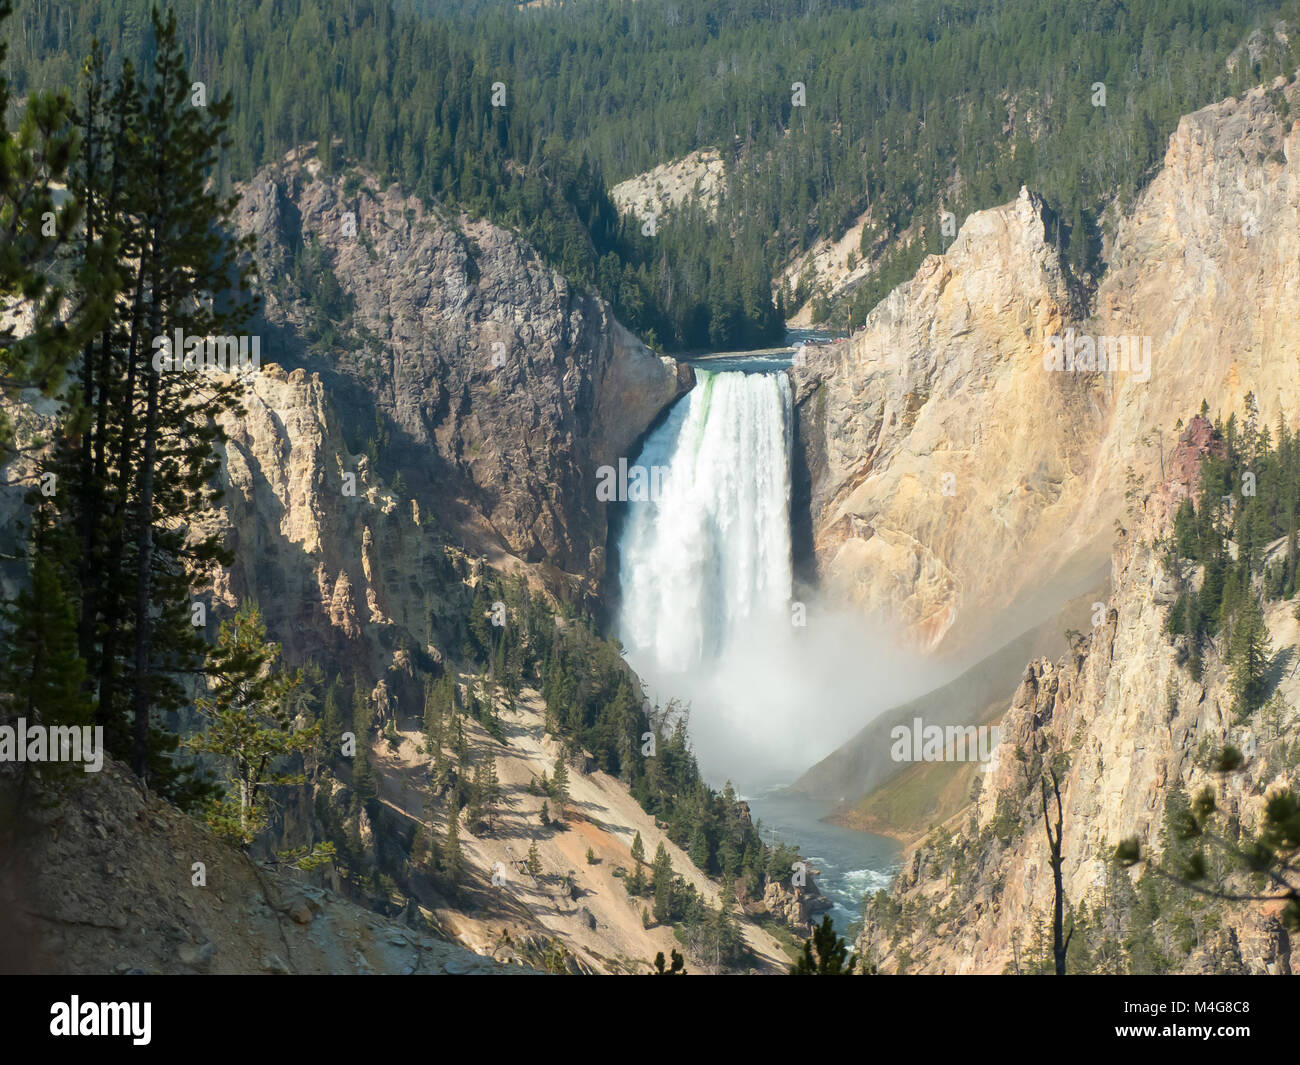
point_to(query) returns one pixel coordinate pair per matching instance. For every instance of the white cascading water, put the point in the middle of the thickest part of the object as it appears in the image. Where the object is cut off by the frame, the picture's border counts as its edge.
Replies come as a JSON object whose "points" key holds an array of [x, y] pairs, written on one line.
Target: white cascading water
{"points": [[711, 556], [705, 571], [706, 577]]}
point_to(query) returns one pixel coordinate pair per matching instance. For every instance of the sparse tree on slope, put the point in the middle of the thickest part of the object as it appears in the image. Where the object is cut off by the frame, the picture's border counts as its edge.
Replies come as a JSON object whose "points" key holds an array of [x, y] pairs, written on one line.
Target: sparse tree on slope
{"points": [[1043, 773], [636, 882], [832, 954], [1248, 653], [249, 723], [559, 787], [678, 965]]}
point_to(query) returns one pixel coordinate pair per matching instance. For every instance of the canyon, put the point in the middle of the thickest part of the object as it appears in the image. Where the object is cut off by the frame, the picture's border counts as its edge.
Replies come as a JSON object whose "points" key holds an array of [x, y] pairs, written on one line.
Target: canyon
{"points": [[436, 405], [947, 377], [1137, 728]]}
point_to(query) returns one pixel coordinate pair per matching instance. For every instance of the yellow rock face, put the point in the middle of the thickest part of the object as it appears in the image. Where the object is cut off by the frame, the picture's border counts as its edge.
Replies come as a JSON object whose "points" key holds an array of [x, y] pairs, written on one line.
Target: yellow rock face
{"points": [[953, 476]]}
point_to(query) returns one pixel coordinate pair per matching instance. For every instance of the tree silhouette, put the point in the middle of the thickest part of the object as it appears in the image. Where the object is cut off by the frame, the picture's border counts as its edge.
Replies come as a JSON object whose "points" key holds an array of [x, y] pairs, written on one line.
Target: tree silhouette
{"points": [[1048, 782], [833, 958]]}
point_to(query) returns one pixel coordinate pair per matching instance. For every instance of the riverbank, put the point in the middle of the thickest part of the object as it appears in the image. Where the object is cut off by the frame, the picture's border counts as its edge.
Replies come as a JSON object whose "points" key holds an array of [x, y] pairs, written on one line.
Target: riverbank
{"points": [[849, 863]]}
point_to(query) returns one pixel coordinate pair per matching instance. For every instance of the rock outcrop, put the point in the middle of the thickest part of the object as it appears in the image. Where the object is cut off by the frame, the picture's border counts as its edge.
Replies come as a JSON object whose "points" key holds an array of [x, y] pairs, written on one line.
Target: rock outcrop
{"points": [[497, 388], [1137, 727], [698, 179], [795, 907], [345, 571], [935, 447], [950, 475], [834, 267]]}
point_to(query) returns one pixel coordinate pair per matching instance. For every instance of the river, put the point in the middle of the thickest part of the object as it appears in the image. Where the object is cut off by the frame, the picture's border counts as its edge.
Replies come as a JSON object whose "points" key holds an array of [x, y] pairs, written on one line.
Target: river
{"points": [[850, 864]]}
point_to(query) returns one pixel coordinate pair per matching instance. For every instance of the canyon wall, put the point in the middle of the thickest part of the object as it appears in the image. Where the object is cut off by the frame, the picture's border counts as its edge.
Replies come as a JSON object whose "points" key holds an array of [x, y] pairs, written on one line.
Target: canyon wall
{"points": [[951, 478], [487, 453], [432, 399], [1137, 727], [496, 386]]}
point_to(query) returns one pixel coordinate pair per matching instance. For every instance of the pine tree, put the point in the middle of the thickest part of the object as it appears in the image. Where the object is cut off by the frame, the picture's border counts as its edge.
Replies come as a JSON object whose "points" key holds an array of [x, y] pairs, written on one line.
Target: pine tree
{"points": [[332, 722], [363, 777], [458, 742], [661, 884], [474, 808], [723, 940], [700, 848], [248, 723], [1292, 557], [478, 647], [491, 789], [450, 856], [34, 226], [1248, 657], [433, 714], [833, 958], [440, 718], [140, 464], [186, 267], [40, 670], [636, 882], [559, 788]]}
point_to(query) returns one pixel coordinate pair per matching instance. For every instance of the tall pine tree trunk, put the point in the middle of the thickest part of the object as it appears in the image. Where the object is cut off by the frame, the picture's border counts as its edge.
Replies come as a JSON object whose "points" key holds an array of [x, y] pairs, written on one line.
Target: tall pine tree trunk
{"points": [[144, 546], [115, 607], [1060, 941], [144, 552], [89, 488]]}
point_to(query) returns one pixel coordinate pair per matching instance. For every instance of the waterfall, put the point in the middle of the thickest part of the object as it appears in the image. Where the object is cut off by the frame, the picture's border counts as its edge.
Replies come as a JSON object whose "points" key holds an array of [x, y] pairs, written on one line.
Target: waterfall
{"points": [[707, 617], [710, 557]]}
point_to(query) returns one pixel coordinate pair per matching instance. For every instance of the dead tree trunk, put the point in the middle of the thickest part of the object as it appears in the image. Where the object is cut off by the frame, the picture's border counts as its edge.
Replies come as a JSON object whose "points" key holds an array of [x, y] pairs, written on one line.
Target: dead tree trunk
{"points": [[1060, 940]]}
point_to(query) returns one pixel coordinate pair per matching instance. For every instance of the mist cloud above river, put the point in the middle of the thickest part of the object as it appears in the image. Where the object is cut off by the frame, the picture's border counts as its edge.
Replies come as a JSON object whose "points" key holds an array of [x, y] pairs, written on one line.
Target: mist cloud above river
{"points": [[707, 583], [779, 697]]}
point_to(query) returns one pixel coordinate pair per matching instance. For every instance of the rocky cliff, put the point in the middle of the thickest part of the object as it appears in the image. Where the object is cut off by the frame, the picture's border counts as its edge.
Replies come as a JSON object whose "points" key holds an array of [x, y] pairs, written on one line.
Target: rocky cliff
{"points": [[495, 388], [435, 401], [950, 475], [937, 451], [1138, 728], [388, 446], [698, 180]]}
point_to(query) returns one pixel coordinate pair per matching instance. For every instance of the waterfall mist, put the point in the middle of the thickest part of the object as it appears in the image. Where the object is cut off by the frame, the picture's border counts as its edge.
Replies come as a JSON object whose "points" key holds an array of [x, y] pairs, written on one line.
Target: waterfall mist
{"points": [[707, 614]]}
